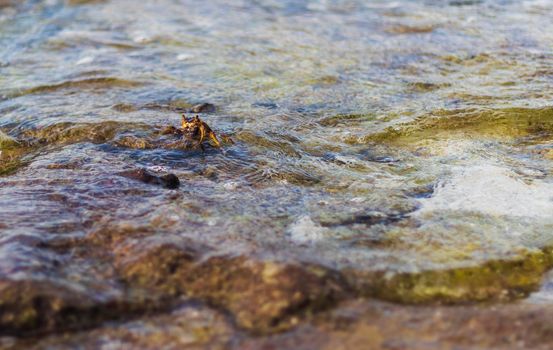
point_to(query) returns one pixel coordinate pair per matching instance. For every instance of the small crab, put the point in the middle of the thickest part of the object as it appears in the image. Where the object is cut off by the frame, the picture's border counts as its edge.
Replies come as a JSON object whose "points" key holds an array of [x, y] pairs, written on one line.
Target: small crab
{"points": [[194, 130], [199, 130]]}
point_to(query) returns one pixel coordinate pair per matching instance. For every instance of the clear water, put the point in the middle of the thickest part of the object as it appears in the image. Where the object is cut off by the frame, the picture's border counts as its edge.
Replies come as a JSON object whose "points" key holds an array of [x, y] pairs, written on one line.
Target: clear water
{"points": [[301, 87]]}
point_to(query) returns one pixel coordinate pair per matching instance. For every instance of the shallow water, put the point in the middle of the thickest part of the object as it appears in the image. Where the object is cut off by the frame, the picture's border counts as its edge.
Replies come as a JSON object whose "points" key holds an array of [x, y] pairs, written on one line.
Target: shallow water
{"points": [[370, 138]]}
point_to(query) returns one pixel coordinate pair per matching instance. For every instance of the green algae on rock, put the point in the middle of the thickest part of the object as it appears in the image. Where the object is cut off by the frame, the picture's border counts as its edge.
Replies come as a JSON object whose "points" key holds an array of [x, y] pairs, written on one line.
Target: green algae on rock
{"points": [[497, 280], [9, 166], [501, 124], [7, 141], [11, 152]]}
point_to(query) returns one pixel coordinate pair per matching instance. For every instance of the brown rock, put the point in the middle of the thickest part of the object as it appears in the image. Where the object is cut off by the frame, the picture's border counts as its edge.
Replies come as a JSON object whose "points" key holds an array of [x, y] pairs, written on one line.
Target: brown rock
{"points": [[42, 306], [262, 296], [369, 324]]}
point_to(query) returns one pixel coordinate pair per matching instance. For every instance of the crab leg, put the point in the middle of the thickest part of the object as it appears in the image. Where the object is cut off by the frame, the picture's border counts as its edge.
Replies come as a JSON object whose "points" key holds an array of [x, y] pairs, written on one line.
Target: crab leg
{"points": [[214, 139]]}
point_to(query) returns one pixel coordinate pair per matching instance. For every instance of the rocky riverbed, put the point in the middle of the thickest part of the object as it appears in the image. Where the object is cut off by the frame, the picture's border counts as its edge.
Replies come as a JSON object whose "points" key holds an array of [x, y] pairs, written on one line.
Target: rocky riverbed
{"points": [[384, 178]]}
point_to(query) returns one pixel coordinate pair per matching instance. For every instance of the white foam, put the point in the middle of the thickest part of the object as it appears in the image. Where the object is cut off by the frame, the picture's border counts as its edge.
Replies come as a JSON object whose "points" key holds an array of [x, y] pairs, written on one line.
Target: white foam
{"points": [[230, 185], [304, 231], [142, 38], [158, 168], [184, 57], [85, 60], [492, 190]]}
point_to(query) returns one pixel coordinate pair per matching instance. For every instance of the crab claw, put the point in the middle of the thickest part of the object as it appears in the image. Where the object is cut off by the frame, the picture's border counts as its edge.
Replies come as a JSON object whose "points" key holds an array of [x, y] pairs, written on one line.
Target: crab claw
{"points": [[214, 139]]}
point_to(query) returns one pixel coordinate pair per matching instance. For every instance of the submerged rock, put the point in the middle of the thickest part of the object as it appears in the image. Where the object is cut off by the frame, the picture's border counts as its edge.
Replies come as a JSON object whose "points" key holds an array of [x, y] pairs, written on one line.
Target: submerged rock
{"points": [[170, 181], [203, 108], [406, 29], [91, 84], [124, 107], [69, 133], [179, 106], [131, 135]]}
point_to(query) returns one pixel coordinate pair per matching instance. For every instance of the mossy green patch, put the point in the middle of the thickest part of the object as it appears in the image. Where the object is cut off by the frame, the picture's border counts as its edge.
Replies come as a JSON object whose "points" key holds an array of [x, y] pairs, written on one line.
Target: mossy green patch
{"points": [[7, 141], [9, 167], [502, 124], [11, 152], [494, 280]]}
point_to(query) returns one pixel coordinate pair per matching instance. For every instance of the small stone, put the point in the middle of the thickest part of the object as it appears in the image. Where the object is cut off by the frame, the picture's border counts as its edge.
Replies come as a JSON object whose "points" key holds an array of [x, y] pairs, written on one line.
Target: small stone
{"points": [[124, 107], [170, 181], [203, 108]]}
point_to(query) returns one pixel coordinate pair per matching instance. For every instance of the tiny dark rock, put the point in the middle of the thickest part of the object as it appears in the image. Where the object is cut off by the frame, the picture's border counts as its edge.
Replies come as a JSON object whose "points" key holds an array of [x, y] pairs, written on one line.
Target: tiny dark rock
{"points": [[170, 181]]}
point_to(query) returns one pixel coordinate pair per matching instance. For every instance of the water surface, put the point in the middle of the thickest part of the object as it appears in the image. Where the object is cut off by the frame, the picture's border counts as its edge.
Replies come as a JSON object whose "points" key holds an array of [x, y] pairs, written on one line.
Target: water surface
{"points": [[370, 138]]}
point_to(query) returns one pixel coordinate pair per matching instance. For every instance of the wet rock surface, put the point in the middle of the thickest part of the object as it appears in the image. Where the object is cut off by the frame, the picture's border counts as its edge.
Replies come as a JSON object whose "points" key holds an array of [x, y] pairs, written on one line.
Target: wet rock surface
{"points": [[377, 325], [38, 307], [352, 324], [384, 180], [138, 272], [261, 296]]}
